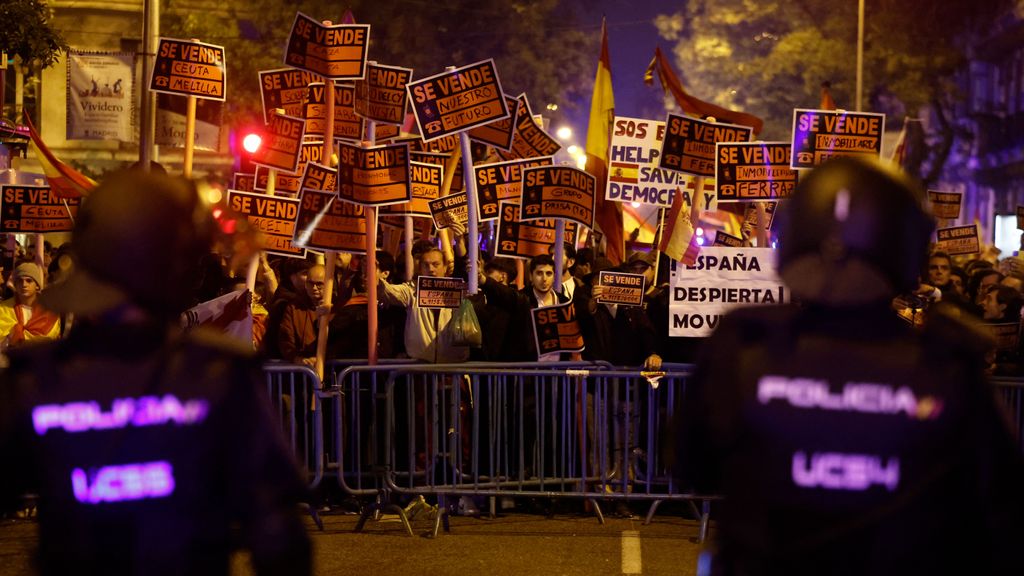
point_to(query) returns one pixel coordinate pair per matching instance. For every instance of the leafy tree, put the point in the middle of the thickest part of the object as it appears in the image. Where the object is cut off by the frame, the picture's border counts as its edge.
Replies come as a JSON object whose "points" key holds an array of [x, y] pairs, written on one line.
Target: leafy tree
{"points": [[534, 43], [770, 56], [27, 34]]}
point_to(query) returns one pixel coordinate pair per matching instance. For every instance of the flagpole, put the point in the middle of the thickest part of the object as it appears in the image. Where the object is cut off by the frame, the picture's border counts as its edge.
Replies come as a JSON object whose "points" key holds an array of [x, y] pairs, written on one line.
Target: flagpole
{"points": [[370, 265], [559, 252], [446, 187]]}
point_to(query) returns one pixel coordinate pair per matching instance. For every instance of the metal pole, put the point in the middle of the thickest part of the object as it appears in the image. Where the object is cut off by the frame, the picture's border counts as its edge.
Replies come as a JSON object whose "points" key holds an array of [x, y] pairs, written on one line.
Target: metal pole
{"points": [[147, 108], [860, 55]]}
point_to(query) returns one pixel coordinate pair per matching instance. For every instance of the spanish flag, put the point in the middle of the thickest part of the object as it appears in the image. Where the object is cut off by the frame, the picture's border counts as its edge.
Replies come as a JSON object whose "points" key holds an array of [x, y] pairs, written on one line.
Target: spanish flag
{"points": [[691, 104], [65, 181], [607, 214], [678, 238]]}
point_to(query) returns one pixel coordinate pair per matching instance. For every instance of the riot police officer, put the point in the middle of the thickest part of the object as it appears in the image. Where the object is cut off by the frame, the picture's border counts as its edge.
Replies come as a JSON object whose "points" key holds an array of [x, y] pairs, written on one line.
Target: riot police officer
{"points": [[844, 441], [149, 449]]}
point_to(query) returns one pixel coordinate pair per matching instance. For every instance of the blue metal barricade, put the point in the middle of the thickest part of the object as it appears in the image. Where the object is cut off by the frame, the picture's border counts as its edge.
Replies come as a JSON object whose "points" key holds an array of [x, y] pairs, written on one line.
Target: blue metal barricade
{"points": [[535, 430], [295, 395]]}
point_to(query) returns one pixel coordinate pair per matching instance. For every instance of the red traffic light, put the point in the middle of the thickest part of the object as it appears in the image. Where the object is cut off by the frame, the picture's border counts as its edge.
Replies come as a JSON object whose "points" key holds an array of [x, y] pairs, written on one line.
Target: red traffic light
{"points": [[251, 143]]}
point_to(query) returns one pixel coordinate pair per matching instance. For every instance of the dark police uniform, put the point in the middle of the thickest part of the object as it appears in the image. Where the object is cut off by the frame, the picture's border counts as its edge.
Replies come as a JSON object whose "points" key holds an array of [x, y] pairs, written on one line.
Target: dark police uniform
{"points": [[843, 440], [847, 443], [148, 449], [145, 449]]}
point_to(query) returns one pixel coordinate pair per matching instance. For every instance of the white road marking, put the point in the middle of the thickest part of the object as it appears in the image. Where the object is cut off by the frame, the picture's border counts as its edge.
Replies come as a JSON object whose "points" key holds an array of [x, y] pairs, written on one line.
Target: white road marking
{"points": [[631, 563]]}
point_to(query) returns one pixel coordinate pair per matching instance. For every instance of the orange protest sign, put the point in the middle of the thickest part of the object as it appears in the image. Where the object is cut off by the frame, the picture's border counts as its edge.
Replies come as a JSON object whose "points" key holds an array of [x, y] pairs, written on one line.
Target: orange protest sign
{"points": [[425, 183], [189, 69], [499, 133], [822, 134], [289, 183], [33, 209], [689, 144], [451, 209], [382, 97], [281, 143], [502, 181], [437, 292], [243, 182], [346, 124], [284, 88], [273, 216], [326, 223], [337, 52], [958, 240], [621, 288], [454, 101], [529, 141], [555, 329], [945, 205], [319, 177], [525, 240], [754, 171], [373, 176], [558, 192]]}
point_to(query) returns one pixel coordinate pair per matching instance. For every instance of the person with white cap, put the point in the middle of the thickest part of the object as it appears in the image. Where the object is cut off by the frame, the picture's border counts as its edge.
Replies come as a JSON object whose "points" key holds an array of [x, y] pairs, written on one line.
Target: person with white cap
{"points": [[22, 317], [152, 451]]}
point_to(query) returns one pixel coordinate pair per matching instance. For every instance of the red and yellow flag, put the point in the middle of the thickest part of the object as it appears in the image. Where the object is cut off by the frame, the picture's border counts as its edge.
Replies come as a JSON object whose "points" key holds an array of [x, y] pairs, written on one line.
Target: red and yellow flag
{"points": [[691, 104], [827, 103], [607, 214], [65, 181]]}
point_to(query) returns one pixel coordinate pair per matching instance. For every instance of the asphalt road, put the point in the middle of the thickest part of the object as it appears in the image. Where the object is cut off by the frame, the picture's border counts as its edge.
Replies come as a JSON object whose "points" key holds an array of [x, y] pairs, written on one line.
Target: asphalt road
{"points": [[567, 543]]}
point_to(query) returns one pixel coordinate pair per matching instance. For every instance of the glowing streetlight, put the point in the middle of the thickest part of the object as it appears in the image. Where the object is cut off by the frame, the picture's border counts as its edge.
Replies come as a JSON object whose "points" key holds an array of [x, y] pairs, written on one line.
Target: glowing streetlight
{"points": [[564, 133]]}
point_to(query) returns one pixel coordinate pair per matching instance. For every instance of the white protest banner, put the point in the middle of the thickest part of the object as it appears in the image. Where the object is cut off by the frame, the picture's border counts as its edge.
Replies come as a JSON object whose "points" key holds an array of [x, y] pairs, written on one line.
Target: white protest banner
{"points": [[822, 134], [634, 155], [721, 279], [99, 104]]}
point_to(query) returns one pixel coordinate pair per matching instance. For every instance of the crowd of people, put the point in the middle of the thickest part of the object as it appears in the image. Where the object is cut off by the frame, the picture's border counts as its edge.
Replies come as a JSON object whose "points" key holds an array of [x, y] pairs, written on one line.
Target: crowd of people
{"points": [[287, 304]]}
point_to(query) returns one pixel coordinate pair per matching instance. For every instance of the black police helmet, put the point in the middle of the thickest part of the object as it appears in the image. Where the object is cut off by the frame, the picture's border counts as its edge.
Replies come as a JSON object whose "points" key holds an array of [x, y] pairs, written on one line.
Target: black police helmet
{"points": [[853, 232], [138, 238]]}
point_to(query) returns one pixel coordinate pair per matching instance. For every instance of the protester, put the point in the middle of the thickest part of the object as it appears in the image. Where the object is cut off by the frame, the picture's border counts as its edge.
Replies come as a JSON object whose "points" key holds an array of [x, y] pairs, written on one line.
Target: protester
{"points": [[837, 434], [425, 335], [521, 345], [294, 272], [148, 448], [22, 317], [297, 334]]}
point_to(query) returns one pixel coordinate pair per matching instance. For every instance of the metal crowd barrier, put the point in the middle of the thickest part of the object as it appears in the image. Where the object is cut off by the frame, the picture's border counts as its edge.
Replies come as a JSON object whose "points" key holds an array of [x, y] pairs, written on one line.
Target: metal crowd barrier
{"points": [[295, 394], [544, 430]]}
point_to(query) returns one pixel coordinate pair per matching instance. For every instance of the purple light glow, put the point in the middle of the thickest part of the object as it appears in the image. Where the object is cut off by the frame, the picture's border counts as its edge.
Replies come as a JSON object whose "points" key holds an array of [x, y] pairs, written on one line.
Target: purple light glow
{"points": [[123, 483], [76, 417]]}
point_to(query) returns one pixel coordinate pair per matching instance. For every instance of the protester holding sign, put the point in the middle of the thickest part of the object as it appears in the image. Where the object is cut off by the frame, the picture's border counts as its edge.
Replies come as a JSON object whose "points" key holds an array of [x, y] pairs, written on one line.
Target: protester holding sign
{"points": [[539, 293], [833, 428], [426, 337]]}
